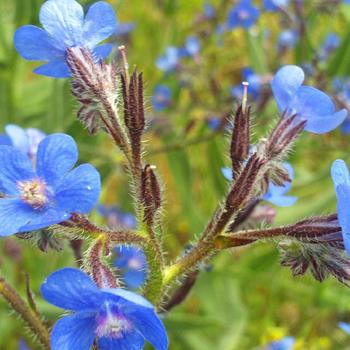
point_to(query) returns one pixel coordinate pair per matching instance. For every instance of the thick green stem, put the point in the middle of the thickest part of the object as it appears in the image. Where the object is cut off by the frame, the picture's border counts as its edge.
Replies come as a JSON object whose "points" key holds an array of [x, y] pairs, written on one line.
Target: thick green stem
{"points": [[34, 322]]}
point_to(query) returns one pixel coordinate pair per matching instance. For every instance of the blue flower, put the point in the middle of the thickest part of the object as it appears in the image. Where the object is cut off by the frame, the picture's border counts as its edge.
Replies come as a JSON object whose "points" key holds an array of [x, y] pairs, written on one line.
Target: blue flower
{"points": [[119, 319], [308, 103], [341, 180], [132, 264], [192, 46], [277, 194], [23, 345], [287, 343], [275, 5], [254, 88], [25, 140], [170, 60], [331, 42], [342, 325], [116, 217], [287, 39], [209, 10], [65, 27], [161, 97], [244, 15], [49, 193], [124, 29], [214, 123]]}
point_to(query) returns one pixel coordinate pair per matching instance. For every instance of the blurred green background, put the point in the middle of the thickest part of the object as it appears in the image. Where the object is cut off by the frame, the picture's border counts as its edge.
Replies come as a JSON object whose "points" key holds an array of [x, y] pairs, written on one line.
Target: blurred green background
{"points": [[247, 299]]}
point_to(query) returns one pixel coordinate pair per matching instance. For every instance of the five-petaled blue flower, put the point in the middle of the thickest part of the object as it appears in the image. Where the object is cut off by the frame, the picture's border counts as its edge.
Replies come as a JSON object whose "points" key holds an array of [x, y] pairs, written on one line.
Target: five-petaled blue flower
{"points": [[119, 319], [132, 264], [117, 217], [345, 327], [286, 343], [161, 97], [25, 140], [244, 15], [341, 180], [49, 193], [277, 194], [255, 84], [308, 103], [65, 27]]}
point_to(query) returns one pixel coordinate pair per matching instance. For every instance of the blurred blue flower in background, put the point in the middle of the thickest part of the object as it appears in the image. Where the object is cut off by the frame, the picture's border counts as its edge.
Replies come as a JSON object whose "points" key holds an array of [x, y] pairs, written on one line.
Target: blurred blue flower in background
{"points": [[47, 194], [342, 325], [118, 318], [277, 194], [192, 46], [254, 88], [161, 97], [214, 123], [23, 345], [330, 43], [341, 180], [342, 88], [25, 140], [117, 217], [132, 265], [209, 10], [244, 14], [124, 28], [287, 343], [275, 5], [308, 103], [65, 27], [287, 39], [170, 60]]}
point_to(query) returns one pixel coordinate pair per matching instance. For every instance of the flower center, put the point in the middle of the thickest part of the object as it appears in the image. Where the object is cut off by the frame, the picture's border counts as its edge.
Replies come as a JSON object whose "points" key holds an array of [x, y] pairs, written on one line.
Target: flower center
{"points": [[112, 324], [135, 264], [33, 193], [243, 14]]}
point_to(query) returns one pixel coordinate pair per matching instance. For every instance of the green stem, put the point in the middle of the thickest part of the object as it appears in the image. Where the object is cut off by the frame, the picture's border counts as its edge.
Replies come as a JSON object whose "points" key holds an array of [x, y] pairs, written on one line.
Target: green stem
{"points": [[34, 321]]}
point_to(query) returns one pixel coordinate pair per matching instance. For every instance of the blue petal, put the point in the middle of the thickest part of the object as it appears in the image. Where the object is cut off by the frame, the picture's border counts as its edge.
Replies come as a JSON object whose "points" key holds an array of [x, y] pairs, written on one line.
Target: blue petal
{"points": [[345, 327], [74, 332], [285, 85], [80, 190], [340, 173], [343, 209], [227, 172], [100, 23], [35, 44], [282, 201], [56, 156], [35, 136], [14, 167], [42, 218], [134, 278], [103, 51], [128, 341], [64, 20], [5, 140], [13, 215], [18, 137], [125, 297], [323, 124], [54, 69], [150, 326], [71, 289]]}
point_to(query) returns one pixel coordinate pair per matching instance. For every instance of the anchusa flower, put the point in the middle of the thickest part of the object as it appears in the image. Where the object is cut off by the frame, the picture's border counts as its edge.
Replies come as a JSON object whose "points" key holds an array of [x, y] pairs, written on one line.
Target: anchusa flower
{"points": [[124, 29], [117, 218], [117, 318], [209, 10], [47, 194], [276, 194], [214, 123], [286, 343], [161, 97], [192, 46], [65, 27], [132, 265], [307, 102], [244, 14], [25, 140], [287, 39], [331, 43], [341, 180], [170, 60], [344, 326]]}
